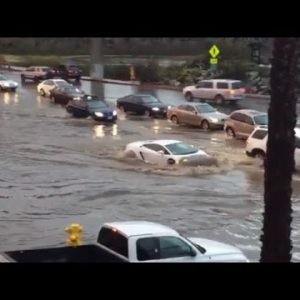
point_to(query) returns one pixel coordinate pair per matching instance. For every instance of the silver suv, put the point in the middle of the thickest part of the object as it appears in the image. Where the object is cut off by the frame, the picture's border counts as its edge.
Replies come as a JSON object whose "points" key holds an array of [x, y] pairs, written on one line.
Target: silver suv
{"points": [[219, 90], [35, 73]]}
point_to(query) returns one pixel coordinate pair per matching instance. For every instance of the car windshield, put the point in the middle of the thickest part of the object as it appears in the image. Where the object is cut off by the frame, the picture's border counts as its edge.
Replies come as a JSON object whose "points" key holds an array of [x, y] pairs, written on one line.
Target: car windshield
{"points": [[237, 85], [71, 90], [181, 148], [61, 83], [261, 119], [205, 108], [150, 99], [97, 104], [2, 77]]}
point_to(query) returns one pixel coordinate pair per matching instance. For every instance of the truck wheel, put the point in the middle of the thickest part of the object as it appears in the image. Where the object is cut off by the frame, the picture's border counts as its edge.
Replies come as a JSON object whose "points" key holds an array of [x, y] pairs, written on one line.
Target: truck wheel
{"points": [[204, 125], [230, 132], [189, 97], [219, 99]]}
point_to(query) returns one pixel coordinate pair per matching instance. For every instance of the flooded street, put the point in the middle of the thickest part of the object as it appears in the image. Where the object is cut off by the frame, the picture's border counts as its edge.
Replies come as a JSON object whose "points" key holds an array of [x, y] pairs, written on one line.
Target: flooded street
{"points": [[57, 170]]}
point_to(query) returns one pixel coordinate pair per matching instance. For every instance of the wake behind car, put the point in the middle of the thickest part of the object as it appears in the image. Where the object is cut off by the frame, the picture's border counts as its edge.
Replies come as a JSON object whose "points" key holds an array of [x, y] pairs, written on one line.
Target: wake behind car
{"points": [[169, 152], [7, 84], [142, 105], [64, 94], [91, 106], [199, 114]]}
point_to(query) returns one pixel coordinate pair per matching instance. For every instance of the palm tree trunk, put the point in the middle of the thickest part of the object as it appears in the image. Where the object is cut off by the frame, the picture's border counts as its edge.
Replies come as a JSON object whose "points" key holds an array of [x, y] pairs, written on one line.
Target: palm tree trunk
{"points": [[279, 162]]}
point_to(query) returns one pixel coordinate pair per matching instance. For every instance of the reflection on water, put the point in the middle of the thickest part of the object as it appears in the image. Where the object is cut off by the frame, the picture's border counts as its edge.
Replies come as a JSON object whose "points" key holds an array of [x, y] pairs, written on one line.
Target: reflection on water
{"points": [[156, 127], [6, 98], [101, 130], [16, 98]]}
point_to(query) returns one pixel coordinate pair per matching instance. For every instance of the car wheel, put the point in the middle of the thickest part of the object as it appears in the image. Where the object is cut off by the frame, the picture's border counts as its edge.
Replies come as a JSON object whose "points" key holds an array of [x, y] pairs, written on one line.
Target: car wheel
{"points": [[36, 79], [259, 154], [189, 97], [1, 88], [147, 113], [230, 132], [13, 90], [171, 161], [219, 99], [204, 125], [131, 154], [69, 109], [42, 93], [122, 108], [175, 120]]}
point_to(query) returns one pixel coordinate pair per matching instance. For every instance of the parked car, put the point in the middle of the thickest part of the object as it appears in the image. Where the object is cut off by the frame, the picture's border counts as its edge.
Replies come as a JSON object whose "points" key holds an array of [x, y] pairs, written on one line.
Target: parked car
{"points": [[7, 84], [45, 87], [198, 114], [66, 72], [135, 241], [218, 90], [256, 145], [35, 73], [142, 105], [168, 152], [241, 123], [63, 94], [91, 106]]}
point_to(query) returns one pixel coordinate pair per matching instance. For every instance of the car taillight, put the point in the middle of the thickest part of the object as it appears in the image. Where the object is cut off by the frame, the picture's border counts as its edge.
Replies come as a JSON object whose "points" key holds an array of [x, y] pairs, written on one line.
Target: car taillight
{"points": [[243, 90]]}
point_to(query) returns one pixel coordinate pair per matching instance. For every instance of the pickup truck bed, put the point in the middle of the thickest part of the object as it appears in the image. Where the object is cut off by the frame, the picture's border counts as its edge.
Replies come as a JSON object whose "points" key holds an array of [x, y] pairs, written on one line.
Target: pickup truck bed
{"points": [[84, 253]]}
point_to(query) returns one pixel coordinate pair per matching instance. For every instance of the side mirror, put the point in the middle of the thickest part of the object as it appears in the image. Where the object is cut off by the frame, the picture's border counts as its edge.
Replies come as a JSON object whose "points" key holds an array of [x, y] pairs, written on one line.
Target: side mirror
{"points": [[193, 252], [196, 113]]}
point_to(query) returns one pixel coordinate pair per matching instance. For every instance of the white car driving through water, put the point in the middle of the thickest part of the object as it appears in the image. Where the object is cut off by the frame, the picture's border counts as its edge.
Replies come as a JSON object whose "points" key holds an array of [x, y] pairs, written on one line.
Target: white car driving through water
{"points": [[169, 152]]}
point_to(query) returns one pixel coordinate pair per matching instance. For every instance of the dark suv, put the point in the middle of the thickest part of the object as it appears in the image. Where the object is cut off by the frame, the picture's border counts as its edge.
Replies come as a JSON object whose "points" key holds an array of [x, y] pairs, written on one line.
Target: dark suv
{"points": [[66, 72]]}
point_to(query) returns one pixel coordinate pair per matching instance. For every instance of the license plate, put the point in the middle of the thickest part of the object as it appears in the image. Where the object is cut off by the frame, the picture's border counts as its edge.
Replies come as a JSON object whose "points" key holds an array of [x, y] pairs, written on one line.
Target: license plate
{"points": [[109, 118]]}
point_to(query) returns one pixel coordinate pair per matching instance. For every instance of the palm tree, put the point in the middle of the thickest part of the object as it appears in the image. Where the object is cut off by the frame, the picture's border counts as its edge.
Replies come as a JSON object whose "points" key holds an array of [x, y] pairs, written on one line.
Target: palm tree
{"points": [[279, 162]]}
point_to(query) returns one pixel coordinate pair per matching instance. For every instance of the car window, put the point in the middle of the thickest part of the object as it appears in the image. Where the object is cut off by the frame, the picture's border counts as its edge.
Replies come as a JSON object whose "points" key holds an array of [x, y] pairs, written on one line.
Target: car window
{"points": [[156, 147], [149, 99], [113, 240], [190, 108], [49, 82], [180, 148], [259, 134], [147, 248], [200, 85], [237, 117], [261, 119], [183, 107], [29, 69], [205, 108], [248, 120], [222, 85], [170, 246], [208, 85], [2, 77]]}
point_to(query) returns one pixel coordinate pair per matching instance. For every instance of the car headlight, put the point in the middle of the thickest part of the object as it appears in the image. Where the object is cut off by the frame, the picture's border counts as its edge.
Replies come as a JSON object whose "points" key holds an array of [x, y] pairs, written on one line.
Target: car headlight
{"points": [[169, 107], [99, 114], [76, 98], [114, 113], [155, 108], [214, 120]]}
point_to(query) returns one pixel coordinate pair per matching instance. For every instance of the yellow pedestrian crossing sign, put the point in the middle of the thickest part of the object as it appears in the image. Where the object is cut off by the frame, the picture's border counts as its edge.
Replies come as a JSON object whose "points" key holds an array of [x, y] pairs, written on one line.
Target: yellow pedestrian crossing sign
{"points": [[214, 51]]}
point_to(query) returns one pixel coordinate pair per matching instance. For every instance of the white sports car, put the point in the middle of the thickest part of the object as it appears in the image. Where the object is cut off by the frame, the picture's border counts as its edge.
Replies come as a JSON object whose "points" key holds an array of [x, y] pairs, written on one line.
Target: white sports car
{"points": [[7, 85], [169, 152]]}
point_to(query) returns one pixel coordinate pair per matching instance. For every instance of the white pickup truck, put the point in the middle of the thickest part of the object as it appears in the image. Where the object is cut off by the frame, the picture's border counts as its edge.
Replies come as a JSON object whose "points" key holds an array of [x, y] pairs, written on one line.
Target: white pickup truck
{"points": [[137, 241]]}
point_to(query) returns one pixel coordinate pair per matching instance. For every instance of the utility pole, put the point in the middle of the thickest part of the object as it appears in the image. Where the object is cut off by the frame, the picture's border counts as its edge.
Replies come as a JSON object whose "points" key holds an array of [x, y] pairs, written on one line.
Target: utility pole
{"points": [[97, 66]]}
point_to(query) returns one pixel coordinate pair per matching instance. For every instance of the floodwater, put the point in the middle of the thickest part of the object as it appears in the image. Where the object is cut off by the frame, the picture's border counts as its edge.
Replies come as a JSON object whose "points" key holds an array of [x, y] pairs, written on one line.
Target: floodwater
{"points": [[56, 170]]}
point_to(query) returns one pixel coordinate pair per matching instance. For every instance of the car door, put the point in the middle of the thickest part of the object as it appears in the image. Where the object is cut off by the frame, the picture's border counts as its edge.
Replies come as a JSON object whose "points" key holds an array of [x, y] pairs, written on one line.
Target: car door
{"points": [[236, 121], [199, 91], [165, 249], [29, 73], [248, 126], [128, 103], [209, 92], [191, 115], [154, 154]]}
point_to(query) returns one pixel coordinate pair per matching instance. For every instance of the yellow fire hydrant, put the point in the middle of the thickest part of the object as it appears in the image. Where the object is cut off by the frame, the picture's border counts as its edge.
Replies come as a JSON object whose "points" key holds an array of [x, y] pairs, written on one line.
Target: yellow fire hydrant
{"points": [[74, 231]]}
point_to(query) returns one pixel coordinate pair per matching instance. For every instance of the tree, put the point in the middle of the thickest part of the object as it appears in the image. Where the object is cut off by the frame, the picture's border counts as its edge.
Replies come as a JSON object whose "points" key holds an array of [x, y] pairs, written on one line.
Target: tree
{"points": [[279, 162]]}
